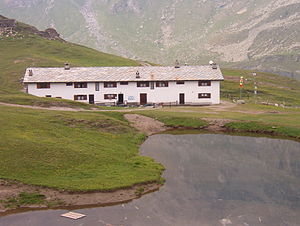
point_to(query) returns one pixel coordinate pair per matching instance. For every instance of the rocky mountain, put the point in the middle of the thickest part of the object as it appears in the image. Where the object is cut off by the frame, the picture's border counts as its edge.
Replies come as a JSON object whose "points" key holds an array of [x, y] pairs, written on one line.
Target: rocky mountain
{"points": [[253, 34]]}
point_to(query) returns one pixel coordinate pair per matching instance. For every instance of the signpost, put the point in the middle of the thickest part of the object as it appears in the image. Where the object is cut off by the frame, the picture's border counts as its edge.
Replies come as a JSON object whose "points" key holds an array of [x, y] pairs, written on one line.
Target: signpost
{"points": [[255, 87], [241, 86]]}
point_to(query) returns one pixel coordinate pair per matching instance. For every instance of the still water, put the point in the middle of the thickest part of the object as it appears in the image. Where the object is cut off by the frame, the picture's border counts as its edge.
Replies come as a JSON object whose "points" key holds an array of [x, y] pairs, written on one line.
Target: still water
{"points": [[210, 180]]}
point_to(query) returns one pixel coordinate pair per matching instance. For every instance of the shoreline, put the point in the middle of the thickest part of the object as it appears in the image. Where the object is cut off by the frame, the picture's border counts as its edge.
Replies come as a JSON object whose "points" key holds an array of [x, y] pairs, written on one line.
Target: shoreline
{"points": [[56, 199]]}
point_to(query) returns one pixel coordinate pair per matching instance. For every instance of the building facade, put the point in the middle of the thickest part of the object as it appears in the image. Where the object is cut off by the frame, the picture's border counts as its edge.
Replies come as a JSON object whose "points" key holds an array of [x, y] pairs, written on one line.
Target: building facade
{"points": [[188, 85]]}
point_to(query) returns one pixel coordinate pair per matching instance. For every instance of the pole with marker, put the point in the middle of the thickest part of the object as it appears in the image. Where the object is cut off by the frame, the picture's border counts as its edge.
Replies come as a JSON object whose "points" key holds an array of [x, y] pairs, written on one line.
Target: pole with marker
{"points": [[241, 86]]}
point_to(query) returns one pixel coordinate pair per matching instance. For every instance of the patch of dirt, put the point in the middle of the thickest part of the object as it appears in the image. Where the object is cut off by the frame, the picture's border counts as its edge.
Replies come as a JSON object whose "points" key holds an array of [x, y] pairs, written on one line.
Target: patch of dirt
{"points": [[9, 189], [145, 124], [217, 125]]}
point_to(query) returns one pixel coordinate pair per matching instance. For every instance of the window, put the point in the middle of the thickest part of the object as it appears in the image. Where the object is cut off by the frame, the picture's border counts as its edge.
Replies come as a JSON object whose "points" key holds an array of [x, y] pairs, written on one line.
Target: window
{"points": [[80, 85], [162, 84], [97, 86], [48, 95], [151, 85], [110, 96], [44, 85], [80, 97], [69, 84], [204, 95], [180, 82], [123, 83], [142, 84], [204, 83], [110, 84]]}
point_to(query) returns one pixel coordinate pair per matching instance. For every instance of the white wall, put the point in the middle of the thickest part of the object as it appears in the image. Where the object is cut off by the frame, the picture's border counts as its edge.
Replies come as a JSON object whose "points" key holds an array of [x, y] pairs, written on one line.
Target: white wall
{"points": [[158, 95]]}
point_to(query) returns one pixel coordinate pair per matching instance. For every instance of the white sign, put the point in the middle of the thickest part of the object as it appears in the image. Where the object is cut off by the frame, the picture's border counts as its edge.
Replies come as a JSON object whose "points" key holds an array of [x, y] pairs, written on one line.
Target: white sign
{"points": [[130, 97]]}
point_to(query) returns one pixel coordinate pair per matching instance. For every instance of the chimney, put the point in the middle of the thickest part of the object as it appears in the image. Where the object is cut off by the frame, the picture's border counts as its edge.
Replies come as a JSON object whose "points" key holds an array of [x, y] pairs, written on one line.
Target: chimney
{"points": [[30, 72], [137, 74], [214, 66], [67, 66], [177, 64]]}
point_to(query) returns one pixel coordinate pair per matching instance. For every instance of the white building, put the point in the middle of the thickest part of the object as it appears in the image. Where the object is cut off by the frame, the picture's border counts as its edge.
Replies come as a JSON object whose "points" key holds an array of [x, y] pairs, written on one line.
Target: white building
{"points": [[195, 85]]}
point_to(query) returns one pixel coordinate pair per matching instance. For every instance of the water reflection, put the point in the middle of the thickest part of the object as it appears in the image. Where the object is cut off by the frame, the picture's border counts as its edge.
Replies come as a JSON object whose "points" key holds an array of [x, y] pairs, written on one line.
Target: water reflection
{"points": [[210, 180]]}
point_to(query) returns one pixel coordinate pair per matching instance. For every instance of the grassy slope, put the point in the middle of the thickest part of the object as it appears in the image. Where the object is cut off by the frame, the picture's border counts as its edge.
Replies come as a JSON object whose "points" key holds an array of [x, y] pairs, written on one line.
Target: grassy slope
{"points": [[271, 87], [75, 151]]}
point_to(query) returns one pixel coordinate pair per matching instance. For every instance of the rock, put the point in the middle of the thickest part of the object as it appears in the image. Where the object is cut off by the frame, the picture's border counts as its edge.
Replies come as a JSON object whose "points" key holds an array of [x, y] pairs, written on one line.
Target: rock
{"points": [[240, 102]]}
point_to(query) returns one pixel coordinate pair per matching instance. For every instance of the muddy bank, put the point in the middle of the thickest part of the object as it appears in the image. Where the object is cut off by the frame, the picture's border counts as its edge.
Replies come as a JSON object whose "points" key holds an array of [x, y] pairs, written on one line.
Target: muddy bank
{"points": [[146, 124], [67, 199]]}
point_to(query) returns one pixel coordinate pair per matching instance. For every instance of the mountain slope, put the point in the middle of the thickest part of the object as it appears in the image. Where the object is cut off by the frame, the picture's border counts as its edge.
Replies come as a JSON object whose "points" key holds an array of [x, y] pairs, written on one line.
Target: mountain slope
{"points": [[254, 34], [23, 48]]}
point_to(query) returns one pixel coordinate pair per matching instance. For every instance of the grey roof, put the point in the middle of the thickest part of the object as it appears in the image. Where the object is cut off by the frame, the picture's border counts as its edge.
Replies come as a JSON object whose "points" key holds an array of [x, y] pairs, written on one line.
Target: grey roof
{"points": [[102, 74]]}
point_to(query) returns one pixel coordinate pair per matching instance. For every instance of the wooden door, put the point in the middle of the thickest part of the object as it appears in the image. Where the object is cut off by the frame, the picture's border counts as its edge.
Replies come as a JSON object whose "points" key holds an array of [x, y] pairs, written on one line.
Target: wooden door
{"points": [[181, 98], [91, 99], [120, 98], [143, 98]]}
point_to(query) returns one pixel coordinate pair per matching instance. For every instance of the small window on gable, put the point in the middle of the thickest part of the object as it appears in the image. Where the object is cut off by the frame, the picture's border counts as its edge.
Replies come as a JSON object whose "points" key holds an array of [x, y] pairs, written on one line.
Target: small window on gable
{"points": [[110, 84], [123, 83], [180, 82], [204, 95], [43, 85], [97, 86], [204, 83], [69, 84], [80, 85], [162, 84]]}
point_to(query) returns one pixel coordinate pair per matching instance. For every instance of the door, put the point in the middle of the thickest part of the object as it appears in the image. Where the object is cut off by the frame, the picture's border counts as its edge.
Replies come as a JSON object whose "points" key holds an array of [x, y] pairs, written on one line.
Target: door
{"points": [[120, 98], [143, 98], [91, 99], [181, 98]]}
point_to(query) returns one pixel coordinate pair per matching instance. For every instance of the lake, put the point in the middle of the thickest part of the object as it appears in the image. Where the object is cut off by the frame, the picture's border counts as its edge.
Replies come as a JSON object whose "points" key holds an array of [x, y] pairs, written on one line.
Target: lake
{"points": [[210, 180]]}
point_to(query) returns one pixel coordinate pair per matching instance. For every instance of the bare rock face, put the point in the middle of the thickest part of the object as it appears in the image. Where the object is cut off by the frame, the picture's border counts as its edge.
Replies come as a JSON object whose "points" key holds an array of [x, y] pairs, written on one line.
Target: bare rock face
{"points": [[50, 33], [11, 28]]}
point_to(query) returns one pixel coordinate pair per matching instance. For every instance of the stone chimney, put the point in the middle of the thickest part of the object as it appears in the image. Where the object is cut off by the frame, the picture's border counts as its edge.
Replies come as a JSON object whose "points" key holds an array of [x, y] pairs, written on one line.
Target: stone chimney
{"points": [[30, 72], [137, 74], [67, 66], [177, 64]]}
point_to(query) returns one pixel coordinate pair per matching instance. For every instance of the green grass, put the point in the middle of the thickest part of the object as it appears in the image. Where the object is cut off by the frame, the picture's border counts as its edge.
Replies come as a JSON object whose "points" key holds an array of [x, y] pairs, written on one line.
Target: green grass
{"points": [[271, 88], [258, 127], [250, 117], [24, 199], [72, 151]]}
